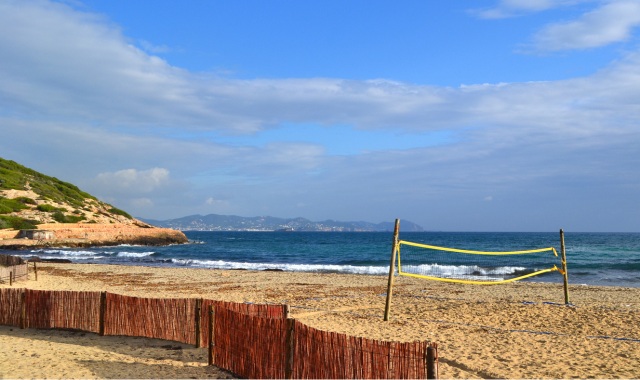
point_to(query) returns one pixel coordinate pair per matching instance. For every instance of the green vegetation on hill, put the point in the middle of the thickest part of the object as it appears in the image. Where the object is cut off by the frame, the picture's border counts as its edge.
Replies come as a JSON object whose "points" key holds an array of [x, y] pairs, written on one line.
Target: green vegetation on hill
{"points": [[14, 176], [17, 223]]}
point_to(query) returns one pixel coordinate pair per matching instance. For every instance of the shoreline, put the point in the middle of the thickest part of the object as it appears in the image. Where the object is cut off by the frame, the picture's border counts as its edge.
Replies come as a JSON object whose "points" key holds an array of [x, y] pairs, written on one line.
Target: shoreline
{"points": [[519, 330]]}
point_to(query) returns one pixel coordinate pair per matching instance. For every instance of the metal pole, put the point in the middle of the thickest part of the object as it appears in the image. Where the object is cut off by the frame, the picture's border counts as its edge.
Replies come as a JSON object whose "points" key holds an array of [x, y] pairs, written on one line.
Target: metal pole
{"points": [[392, 268], [565, 274]]}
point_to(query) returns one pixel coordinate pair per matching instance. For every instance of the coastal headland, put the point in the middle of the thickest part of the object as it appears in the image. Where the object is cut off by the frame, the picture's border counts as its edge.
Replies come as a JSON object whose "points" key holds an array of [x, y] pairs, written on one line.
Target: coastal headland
{"points": [[518, 330], [87, 235]]}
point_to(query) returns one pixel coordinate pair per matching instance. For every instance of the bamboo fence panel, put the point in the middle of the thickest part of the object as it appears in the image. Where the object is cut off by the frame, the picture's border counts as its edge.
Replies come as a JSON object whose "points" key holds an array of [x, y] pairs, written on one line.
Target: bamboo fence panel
{"points": [[10, 306], [160, 318], [20, 272], [329, 355], [249, 346], [76, 310], [8, 260], [256, 310], [262, 310]]}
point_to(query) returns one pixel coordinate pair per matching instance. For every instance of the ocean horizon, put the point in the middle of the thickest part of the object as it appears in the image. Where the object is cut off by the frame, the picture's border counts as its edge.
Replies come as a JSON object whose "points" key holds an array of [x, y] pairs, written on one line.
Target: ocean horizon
{"points": [[606, 259]]}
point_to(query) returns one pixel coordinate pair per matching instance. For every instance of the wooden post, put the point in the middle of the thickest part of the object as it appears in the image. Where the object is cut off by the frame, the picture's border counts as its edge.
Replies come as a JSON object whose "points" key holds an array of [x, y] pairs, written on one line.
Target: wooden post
{"points": [[432, 361], [23, 311], [103, 311], [290, 339], [198, 315], [211, 334], [565, 274], [10, 277], [392, 266], [287, 311], [35, 269]]}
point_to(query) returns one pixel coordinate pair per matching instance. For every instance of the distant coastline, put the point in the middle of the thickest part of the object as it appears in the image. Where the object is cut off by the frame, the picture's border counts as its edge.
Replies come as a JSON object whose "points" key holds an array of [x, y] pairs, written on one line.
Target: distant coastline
{"points": [[215, 222]]}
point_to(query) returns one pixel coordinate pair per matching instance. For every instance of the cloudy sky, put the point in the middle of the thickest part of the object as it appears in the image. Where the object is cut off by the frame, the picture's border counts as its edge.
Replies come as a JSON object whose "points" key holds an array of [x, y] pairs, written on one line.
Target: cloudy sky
{"points": [[485, 115]]}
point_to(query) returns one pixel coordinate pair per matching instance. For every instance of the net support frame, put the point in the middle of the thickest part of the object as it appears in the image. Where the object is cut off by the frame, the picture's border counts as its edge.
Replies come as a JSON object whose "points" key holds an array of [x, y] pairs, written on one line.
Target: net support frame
{"points": [[395, 250], [392, 265]]}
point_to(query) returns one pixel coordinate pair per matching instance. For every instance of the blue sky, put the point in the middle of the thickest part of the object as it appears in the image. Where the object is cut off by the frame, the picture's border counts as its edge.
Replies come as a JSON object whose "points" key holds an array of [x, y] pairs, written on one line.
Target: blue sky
{"points": [[512, 115]]}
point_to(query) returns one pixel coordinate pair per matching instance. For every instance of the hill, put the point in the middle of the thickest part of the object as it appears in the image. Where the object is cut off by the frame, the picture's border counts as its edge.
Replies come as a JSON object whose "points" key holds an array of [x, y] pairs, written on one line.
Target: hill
{"points": [[214, 222], [30, 200]]}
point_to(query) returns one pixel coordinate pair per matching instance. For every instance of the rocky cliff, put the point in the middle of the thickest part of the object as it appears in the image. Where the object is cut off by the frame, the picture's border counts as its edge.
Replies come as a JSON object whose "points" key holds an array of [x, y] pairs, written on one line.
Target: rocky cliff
{"points": [[37, 211], [86, 235]]}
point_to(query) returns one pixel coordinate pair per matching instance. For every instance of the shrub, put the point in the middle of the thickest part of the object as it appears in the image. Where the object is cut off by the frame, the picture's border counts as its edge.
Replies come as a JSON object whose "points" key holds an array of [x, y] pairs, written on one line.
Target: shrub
{"points": [[5, 209], [117, 211], [26, 200], [75, 218], [47, 208], [10, 205], [59, 217], [17, 223]]}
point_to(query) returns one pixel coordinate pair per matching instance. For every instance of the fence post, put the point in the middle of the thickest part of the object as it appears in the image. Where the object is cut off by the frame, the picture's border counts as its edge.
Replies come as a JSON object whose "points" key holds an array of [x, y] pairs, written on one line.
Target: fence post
{"points": [[10, 277], [103, 310], [35, 269], [432, 361], [23, 311], [290, 342], [198, 315], [211, 333]]}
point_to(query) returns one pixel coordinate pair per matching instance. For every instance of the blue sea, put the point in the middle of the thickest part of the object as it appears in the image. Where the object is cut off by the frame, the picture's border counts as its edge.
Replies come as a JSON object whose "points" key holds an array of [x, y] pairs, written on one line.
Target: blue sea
{"points": [[611, 259]]}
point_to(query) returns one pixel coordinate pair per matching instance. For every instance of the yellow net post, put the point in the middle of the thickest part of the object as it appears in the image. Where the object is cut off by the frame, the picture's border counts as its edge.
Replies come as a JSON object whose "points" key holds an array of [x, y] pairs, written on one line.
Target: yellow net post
{"points": [[392, 264]]}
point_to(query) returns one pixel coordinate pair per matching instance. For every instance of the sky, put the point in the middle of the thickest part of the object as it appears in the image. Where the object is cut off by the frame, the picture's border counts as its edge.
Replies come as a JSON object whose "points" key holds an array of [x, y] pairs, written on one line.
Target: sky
{"points": [[484, 115]]}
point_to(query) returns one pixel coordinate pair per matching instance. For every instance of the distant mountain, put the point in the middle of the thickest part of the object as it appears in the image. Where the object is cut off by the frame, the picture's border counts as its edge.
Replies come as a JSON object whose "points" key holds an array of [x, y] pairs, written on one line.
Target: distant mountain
{"points": [[214, 222]]}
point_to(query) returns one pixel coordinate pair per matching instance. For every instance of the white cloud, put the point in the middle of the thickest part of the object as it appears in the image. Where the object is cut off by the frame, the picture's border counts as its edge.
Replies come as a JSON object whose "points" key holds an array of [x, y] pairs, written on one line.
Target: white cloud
{"points": [[512, 8], [211, 201], [612, 22], [153, 49], [141, 203], [72, 88], [134, 181]]}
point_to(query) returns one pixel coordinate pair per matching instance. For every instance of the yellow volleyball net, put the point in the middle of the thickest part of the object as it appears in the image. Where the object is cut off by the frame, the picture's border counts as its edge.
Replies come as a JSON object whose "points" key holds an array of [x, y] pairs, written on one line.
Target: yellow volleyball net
{"points": [[473, 267]]}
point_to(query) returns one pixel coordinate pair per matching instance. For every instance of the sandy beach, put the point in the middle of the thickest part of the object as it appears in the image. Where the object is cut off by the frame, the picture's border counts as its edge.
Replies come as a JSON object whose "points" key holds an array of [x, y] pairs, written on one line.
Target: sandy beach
{"points": [[520, 330]]}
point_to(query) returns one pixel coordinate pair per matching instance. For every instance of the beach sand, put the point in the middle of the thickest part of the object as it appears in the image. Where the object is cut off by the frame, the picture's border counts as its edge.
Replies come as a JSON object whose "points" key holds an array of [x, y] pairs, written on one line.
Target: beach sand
{"points": [[519, 330]]}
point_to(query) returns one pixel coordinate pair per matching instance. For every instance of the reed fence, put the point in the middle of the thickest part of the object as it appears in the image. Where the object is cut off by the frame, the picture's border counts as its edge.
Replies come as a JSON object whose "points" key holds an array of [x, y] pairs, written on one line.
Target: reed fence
{"points": [[250, 340], [12, 268], [161, 318], [250, 346], [75, 310], [257, 347], [11, 306]]}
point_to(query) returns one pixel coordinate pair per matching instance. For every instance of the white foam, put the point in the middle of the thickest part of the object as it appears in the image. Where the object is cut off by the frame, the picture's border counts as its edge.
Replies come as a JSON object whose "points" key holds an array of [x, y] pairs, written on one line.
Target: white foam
{"points": [[67, 253], [135, 254], [459, 271], [220, 264], [75, 258]]}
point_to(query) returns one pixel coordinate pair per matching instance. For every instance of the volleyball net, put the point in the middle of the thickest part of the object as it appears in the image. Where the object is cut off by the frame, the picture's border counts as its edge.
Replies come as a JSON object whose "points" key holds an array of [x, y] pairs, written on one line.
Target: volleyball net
{"points": [[473, 267]]}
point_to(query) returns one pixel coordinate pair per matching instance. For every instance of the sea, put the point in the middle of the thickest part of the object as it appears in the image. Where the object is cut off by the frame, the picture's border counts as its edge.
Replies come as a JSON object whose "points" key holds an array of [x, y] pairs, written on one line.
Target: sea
{"points": [[606, 259]]}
